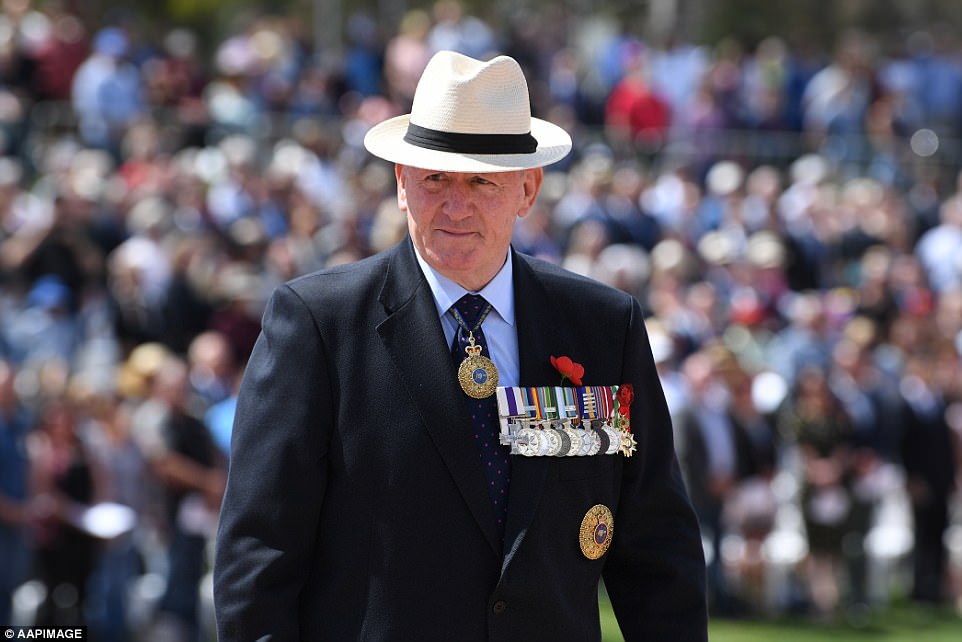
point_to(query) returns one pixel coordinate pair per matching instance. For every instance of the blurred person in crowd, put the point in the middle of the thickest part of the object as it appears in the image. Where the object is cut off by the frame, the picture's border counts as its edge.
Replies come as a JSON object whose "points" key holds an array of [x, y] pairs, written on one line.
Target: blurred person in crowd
{"points": [[25, 218], [315, 94], [750, 509], [761, 283], [762, 91], [212, 363], [15, 109], [935, 58], [623, 266], [870, 400], [534, 234], [813, 421], [565, 86], [136, 373], [804, 340], [673, 381], [62, 241], [671, 198], [910, 287], [720, 207], [238, 303], [948, 309], [15, 554], [717, 456], [105, 422], [940, 248], [107, 93], [228, 97], [181, 454], [56, 57], [673, 268], [703, 120], [636, 117], [586, 240], [187, 301], [455, 30], [631, 223], [45, 326], [65, 480], [589, 182], [174, 77], [796, 207], [724, 79], [145, 169], [763, 186], [677, 69], [139, 271], [363, 55], [876, 301], [838, 96], [869, 395], [219, 418], [929, 457], [754, 423], [229, 196]]}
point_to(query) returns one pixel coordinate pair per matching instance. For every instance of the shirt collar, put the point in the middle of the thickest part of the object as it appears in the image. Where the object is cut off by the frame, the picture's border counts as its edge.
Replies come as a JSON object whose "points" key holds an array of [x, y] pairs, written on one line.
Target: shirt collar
{"points": [[499, 291]]}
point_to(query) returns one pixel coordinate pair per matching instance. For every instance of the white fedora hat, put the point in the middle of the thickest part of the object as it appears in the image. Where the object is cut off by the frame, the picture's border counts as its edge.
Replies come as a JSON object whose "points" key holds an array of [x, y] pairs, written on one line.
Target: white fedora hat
{"points": [[469, 116]]}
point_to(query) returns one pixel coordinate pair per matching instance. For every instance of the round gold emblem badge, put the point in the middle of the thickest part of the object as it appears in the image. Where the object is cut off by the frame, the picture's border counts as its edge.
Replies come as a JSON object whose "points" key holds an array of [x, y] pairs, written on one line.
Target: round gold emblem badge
{"points": [[478, 375], [597, 528]]}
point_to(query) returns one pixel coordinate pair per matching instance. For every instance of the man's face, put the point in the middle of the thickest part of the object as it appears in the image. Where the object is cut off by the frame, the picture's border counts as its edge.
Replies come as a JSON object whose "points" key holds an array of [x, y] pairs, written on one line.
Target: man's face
{"points": [[461, 223]]}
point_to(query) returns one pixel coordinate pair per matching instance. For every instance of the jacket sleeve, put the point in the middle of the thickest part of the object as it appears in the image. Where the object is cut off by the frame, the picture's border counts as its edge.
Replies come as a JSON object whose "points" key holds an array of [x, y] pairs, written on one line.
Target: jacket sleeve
{"points": [[277, 477], [655, 570]]}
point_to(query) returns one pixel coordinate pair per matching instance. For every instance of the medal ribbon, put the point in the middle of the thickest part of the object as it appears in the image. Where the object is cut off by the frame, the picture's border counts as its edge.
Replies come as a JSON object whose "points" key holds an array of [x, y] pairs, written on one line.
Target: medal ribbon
{"points": [[546, 402], [605, 398], [464, 326], [511, 401], [564, 403], [532, 403], [587, 402], [549, 402]]}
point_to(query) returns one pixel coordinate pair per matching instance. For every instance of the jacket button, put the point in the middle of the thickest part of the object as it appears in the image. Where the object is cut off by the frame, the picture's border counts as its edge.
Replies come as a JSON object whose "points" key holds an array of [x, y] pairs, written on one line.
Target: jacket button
{"points": [[500, 607]]}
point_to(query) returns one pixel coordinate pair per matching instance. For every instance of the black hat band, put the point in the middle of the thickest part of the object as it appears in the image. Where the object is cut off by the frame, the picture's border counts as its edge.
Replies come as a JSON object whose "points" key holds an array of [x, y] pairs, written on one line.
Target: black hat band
{"points": [[459, 143]]}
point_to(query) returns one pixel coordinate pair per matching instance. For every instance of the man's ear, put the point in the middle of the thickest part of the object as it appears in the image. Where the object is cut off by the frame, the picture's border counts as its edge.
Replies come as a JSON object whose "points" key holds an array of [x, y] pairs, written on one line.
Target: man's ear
{"points": [[532, 186], [402, 196]]}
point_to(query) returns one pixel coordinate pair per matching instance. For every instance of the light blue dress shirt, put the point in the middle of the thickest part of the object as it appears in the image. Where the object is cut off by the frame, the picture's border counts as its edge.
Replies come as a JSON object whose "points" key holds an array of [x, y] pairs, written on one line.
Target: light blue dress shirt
{"points": [[500, 331]]}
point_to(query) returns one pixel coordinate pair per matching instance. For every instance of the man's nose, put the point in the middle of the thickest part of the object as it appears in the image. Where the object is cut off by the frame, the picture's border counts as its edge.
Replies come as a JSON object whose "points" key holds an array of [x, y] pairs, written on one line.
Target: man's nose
{"points": [[457, 202]]}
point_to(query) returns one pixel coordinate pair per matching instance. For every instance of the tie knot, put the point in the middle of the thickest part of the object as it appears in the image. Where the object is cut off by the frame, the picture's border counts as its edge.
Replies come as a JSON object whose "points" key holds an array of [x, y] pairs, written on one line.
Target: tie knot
{"points": [[470, 307]]}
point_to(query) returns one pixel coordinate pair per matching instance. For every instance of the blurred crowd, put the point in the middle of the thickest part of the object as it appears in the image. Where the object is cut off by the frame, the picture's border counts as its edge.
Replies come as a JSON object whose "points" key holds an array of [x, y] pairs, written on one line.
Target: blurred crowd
{"points": [[789, 217]]}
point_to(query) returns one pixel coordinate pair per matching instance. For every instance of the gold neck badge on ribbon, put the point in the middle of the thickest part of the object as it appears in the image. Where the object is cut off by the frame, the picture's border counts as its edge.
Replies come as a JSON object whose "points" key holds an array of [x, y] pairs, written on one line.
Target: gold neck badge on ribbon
{"points": [[477, 374]]}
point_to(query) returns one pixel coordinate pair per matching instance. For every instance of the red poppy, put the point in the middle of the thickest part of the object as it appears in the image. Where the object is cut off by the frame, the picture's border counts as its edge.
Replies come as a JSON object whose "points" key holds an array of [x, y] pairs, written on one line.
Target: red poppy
{"points": [[568, 369]]}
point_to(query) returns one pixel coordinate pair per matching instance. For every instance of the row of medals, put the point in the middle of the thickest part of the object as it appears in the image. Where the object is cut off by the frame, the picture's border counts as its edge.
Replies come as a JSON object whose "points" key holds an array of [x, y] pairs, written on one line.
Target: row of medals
{"points": [[564, 440], [478, 377]]}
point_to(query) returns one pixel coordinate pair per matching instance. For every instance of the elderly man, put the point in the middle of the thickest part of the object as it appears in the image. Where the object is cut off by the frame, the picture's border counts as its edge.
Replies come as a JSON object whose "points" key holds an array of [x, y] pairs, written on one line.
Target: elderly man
{"points": [[376, 490]]}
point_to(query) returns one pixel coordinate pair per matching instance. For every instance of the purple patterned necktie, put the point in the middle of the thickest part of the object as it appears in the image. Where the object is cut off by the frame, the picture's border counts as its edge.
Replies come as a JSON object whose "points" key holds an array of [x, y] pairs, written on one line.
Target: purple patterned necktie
{"points": [[483, 412]]}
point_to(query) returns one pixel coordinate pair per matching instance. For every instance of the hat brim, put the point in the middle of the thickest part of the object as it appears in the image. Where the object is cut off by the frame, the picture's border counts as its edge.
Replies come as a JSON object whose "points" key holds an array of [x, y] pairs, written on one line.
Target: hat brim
{"points": [[386, 140]]}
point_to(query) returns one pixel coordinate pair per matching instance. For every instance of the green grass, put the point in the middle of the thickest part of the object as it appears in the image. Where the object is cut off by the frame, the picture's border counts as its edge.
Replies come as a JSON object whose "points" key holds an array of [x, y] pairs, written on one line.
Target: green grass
{"points": [[899, 623]]}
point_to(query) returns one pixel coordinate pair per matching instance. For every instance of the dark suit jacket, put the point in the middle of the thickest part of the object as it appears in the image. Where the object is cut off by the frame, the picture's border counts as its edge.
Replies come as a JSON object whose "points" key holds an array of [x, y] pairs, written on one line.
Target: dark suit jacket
{"points": [[356, 506]]}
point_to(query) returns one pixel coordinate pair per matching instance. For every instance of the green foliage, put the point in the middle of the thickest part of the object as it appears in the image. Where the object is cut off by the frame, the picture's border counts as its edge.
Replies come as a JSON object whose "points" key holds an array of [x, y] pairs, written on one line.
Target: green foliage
{"points": [[819, 22], [897, 623], [192, 11]]}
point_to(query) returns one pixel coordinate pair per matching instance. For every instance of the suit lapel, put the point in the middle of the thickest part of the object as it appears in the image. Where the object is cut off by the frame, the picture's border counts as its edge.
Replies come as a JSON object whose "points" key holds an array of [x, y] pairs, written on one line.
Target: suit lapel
{"points": [[414, 339], [537, 341]]}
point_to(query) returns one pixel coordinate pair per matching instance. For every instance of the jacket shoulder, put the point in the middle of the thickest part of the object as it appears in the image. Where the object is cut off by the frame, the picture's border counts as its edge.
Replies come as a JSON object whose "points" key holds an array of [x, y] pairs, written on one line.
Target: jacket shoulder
{"points": [[559, 282], [338, 284]]}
